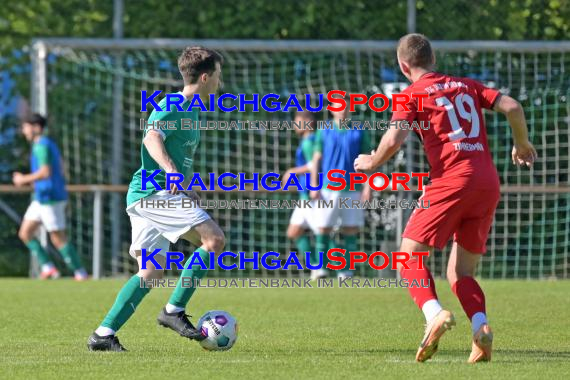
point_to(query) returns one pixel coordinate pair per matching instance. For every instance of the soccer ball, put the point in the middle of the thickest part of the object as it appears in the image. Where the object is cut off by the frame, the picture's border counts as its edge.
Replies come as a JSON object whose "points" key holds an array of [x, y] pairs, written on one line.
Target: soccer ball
{"points": [[220, 329]]}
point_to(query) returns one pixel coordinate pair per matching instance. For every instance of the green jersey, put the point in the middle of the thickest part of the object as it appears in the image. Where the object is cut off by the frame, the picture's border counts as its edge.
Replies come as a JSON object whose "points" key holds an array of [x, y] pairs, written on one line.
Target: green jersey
{"points": [[180, 144]]}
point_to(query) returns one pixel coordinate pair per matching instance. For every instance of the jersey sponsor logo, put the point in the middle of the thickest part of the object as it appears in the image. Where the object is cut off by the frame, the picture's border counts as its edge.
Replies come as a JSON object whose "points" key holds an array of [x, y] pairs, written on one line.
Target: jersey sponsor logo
{"points": [[463, 146], [190, 142], [444, 86]]}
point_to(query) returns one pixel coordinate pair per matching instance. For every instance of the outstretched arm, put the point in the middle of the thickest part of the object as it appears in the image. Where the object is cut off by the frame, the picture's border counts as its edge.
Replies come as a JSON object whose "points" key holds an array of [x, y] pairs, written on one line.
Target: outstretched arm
{"points": [[389, 145], [41, 154], [20, 179], [523, 152], [155, 145], [299, 169]]}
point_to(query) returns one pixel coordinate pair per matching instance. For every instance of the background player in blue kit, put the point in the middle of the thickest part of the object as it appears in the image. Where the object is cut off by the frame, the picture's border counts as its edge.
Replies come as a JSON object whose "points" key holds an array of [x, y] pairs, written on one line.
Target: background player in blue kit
{"points": [[337, 148], [303, 218], [50, 199]]}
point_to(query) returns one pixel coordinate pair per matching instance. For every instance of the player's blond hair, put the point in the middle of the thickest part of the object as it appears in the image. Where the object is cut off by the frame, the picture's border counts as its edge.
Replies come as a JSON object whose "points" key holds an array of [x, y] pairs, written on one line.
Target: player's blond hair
{"points": [[415, 49]]}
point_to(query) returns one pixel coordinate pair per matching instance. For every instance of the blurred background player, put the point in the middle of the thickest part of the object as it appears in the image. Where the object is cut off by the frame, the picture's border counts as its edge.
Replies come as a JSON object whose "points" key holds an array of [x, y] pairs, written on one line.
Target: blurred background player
{"points": [[337, 148], [303, 218], [464, 188], [49, 201], [172, 151]]}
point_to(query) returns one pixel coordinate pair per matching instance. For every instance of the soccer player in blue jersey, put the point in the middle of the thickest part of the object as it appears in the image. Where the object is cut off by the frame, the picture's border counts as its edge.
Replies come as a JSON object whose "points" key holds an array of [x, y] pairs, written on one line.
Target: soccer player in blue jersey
{"points": [[337, 148], [302, 218], [48, 205]]}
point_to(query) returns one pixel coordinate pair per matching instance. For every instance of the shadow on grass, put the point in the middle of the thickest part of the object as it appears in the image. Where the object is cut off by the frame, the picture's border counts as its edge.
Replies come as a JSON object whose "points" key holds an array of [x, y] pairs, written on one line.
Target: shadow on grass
{"points": [[499, 355], [536, 355]]}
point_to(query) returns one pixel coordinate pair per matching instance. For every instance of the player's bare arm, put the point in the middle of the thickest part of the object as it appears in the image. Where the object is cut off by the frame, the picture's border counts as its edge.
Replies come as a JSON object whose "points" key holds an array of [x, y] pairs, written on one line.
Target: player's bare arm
{"points": [[524, 152], [297, 170], [389, 145], [315, 167], [155, 145], [366, 193], [21, 179]]}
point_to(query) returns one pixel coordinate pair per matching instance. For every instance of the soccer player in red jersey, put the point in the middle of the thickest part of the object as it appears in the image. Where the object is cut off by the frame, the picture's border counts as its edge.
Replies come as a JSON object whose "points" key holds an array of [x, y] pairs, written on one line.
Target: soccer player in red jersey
{"points": [[464, 188]]}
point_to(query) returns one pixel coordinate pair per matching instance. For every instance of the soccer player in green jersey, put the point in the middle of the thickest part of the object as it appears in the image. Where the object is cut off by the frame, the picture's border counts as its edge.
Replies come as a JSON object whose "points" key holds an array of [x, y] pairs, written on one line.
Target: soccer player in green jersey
{"points": [[50, 199], [302, 218], [172, 151]]}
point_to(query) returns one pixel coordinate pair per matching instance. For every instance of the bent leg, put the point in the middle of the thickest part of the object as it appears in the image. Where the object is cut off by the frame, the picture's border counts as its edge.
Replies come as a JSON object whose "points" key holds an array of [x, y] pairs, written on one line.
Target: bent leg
{"points": [[213, 240], [422, 289], [424, 295], [130, 296], [298, 234], [27, 234], [460, 274], [66, 249]]}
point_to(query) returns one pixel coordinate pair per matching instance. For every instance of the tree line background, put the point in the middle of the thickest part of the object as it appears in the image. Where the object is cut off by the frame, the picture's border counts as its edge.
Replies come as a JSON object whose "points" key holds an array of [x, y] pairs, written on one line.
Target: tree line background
{"points": [[308, 19]]}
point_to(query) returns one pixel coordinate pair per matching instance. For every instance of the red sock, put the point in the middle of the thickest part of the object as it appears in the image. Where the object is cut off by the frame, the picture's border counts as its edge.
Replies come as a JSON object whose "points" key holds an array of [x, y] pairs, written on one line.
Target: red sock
{"points": [[470, 295], [423, 277]]}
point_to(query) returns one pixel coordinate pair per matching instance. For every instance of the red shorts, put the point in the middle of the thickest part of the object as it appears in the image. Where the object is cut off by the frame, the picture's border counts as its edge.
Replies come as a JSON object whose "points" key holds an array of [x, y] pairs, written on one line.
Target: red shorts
{"points": [[467, 214]]}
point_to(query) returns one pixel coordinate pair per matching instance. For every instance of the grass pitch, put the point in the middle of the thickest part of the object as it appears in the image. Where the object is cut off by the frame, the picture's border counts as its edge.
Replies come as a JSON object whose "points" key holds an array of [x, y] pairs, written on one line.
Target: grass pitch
{"points": [[284, 333]]}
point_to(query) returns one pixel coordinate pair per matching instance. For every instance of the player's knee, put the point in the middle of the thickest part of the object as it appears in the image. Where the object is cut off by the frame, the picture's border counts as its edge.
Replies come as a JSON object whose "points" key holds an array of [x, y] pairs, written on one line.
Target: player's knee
{"points": [[58, 240], [216, 242], [24, 235], [151, 274], [451, 276], [294, 232], [456, 274]]}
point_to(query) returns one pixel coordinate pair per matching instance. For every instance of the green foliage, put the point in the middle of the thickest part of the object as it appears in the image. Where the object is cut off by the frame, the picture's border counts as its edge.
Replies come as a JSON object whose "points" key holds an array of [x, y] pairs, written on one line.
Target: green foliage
{"points": [[261, 19], [494, 20], [20, 21], [311, 19]]}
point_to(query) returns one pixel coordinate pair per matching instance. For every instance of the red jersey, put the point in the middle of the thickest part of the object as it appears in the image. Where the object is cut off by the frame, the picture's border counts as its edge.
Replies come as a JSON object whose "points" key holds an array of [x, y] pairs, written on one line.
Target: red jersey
{"points": [[456, 141]]}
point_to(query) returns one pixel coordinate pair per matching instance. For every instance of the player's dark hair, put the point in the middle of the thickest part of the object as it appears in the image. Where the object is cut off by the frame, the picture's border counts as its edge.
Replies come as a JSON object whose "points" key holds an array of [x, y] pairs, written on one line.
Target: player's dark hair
{"points": [[416, 50], [36, 118], [195, 61]]}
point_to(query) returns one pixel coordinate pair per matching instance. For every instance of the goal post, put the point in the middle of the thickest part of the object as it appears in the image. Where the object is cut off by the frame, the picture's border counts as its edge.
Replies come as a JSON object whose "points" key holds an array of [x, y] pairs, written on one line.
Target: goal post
{"points": [[73, 82]]}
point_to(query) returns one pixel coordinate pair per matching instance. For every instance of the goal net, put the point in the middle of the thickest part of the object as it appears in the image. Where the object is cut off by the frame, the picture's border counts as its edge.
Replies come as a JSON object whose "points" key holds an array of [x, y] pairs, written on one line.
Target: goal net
{"points": [[91, 91]]}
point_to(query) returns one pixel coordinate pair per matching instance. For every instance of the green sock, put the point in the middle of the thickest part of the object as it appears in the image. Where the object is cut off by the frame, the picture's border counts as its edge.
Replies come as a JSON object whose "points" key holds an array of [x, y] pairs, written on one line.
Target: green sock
{"points": [[351, 245], [38, 251], [304, 245], [129, 297], [333, 244], [181, 295], [350, 242], [70, 257], [323, 245]]}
